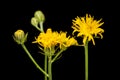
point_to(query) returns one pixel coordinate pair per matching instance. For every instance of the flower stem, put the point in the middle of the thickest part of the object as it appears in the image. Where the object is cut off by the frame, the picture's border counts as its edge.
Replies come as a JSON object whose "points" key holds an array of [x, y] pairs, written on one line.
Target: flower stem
{"points": [[86, 60], [38, 28], [50, 67], [28, 53], [41, 26], [58, 54], [45, 66]]}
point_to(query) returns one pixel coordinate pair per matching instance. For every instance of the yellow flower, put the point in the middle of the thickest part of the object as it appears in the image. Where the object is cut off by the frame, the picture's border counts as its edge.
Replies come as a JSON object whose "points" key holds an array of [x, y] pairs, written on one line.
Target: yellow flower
{"points": [[71, 41], [48, 39], [87, 27], [51, 39], [65, 41]]}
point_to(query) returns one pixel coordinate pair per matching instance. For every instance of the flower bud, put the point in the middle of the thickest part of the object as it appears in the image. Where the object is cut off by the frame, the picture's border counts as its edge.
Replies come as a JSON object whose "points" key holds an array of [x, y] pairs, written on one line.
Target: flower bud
{"points": [[34, 22], [19, 34], [39, 16], [20, 37]]}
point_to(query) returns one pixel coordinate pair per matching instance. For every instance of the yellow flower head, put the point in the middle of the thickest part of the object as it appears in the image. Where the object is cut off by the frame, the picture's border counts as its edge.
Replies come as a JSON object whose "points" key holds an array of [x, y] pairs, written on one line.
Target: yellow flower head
{"points": [[71, 41], [48, 39], [51, 39], [66, 41], [87, 27]]}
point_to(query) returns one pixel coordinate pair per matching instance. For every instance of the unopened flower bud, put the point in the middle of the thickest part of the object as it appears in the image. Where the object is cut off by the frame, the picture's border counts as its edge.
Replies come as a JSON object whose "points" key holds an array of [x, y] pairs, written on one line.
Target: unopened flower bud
{"points": [[34, 22], [20, 37], [19, 34], [39, 16]]}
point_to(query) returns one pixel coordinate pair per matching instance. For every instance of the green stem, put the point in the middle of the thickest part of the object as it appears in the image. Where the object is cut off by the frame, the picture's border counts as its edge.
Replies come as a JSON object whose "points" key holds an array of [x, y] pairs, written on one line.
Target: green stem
{"points": [[38, 28], [57, 55], [41, 26], [50, 68], [28, 53], [86, 60], [45, 66]]}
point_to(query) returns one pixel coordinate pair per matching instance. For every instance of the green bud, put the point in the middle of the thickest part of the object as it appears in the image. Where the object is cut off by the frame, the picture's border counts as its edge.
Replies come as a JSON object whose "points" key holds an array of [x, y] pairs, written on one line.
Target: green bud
{"points": [[39, 16], [20, 37], [34, 21]]}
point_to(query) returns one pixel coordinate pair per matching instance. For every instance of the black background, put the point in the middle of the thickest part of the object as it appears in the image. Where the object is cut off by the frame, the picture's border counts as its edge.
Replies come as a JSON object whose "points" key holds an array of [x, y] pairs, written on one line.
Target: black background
{"points": [[103, 57]]}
